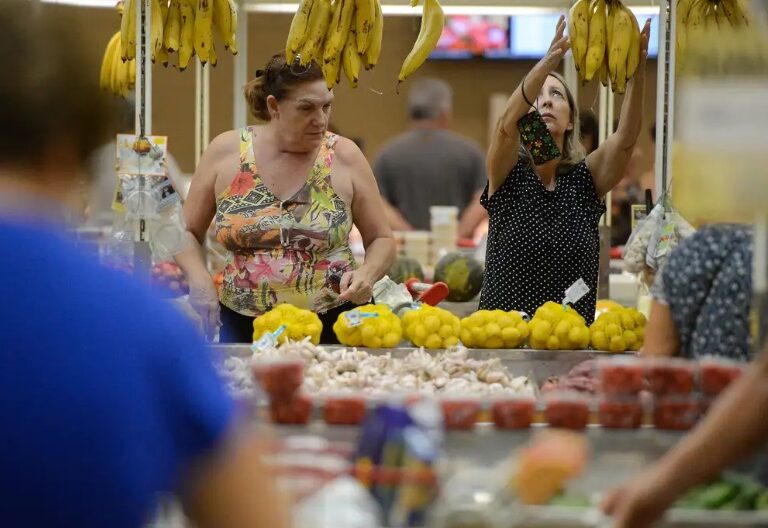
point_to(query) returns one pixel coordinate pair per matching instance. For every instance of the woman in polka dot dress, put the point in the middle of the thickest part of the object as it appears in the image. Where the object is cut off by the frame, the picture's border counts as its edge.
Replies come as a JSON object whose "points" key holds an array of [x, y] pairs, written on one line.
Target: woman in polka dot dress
{"points": [[543, 233]]}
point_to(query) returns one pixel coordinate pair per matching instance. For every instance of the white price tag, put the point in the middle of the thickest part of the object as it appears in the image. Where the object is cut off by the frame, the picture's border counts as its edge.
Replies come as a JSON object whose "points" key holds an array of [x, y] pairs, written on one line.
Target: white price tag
{"points": [[353, 318], [577, 290], [268, 340]]}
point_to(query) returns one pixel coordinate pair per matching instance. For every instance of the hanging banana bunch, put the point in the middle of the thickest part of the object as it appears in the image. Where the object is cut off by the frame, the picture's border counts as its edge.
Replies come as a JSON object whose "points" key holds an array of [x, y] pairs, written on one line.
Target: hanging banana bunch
{"points": [[695, 18], [117, 76], [605, 41], [183, 27], [339, 35]]}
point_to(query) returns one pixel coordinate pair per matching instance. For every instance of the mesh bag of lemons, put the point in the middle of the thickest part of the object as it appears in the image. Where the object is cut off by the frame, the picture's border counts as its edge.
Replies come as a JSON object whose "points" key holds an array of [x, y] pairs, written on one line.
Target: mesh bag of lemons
{"points": [[494, 329], [371, 326], [556, 328], [431, 327], [618, 330], [298, 324]]}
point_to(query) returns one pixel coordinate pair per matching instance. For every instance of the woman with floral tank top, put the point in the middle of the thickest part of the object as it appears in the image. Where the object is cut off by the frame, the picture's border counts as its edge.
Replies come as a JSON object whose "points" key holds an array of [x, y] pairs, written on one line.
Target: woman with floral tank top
{"points": [[284, 198]]}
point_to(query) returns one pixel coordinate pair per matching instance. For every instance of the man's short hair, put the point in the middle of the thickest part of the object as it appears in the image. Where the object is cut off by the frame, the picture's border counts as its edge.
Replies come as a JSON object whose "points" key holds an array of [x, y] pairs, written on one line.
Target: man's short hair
{"points": [[428, 98]]}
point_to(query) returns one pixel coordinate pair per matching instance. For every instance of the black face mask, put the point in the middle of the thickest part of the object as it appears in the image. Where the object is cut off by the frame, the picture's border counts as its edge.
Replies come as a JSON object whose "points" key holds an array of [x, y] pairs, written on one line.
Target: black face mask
{"points": [[535, 136]]}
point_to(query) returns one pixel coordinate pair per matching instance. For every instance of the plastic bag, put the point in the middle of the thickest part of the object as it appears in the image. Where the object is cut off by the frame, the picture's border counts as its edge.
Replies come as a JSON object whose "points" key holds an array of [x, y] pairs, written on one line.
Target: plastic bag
{"points": [[343, 503], [668, 235], [635, 251]]}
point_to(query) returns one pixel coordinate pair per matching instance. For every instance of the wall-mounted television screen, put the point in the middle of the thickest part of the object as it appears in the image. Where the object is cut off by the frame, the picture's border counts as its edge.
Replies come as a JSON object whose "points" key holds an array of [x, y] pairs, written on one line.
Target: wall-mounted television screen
{"points": [[507, 37]]}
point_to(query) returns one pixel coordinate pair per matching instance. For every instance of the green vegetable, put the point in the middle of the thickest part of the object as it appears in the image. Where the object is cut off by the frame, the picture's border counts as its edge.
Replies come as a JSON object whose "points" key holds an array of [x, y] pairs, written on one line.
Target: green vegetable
{"points": [[762, 501], [570, 501]]}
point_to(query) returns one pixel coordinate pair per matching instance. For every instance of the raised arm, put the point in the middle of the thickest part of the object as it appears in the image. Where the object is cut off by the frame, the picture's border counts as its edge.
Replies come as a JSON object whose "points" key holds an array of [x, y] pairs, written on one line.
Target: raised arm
{"points": [[502, 153], [608, 162]]}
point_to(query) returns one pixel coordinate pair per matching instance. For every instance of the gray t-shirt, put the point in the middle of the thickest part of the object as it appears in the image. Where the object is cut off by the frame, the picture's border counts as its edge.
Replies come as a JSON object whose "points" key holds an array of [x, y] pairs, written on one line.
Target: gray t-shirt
{"points": [[427, 167]]}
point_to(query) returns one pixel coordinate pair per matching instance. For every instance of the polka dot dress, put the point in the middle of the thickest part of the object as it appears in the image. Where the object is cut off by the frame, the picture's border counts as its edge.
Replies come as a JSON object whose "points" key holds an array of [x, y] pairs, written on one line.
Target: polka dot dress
{"points": [[707, 283], [540, 242]]}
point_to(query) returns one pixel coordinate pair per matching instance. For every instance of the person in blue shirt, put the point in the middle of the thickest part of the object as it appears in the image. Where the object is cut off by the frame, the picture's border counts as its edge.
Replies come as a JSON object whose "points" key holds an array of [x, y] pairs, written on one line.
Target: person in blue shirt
{"points": [[107, 398]]}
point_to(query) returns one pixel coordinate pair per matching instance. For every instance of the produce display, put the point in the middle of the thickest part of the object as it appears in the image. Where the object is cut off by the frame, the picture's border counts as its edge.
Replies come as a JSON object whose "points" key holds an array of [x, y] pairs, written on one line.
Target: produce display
{"points": [[729, 493], [618, 330], [346, 35], [605, 39], [556, 328], [566, 410], [431, 327], [620, 412], [344, 370], [494, 329], [295, 324], [513, 412], [717, 374], [169, 279], [462, 273], [371, 326]]}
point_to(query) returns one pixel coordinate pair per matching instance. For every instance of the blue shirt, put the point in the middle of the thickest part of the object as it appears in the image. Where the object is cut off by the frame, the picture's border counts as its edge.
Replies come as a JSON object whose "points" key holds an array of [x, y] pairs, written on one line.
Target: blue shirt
{"points": [[106, 395]]}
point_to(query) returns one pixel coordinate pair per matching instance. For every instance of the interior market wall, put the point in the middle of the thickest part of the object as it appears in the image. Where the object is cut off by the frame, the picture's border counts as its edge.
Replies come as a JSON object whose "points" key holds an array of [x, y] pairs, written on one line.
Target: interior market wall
{"points": [[373, 112]]}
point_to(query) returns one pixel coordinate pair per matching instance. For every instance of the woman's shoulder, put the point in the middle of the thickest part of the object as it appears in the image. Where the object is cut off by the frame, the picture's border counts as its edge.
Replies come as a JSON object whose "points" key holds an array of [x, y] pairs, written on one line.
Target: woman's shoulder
{"points": [[345, 149], [226, 142]]}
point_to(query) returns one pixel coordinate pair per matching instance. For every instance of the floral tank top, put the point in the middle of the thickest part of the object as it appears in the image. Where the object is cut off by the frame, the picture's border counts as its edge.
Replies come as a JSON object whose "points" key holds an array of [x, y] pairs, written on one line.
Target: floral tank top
{"points": [[291, 251]]}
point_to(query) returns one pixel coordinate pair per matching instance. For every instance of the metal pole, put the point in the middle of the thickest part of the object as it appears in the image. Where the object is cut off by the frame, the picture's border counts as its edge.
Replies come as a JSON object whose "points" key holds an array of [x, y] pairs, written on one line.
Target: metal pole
{"points": [[239, 109], [142, 255], [665, 90], [202, 109]]}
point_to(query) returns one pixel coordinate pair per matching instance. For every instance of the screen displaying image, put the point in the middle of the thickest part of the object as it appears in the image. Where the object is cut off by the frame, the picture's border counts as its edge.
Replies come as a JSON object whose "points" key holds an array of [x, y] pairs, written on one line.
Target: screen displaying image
{"points": [[466, 36], [504, 37], [531, 35]]}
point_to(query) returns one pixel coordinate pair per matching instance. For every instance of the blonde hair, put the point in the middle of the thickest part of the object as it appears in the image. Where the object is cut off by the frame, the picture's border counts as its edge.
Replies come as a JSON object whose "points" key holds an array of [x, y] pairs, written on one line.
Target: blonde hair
{"points": [[573, 150]]}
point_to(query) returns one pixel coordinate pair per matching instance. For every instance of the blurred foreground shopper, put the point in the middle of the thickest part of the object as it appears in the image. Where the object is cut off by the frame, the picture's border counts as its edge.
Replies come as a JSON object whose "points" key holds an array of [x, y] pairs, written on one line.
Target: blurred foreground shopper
{"points": [[106, 400]]}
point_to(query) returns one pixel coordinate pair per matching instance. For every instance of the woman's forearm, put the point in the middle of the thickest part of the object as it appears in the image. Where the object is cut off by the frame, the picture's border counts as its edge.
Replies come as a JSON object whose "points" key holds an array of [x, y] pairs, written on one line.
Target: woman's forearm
{"points": [[631, 117], [379, 256], [191, 260], [517, 106]]}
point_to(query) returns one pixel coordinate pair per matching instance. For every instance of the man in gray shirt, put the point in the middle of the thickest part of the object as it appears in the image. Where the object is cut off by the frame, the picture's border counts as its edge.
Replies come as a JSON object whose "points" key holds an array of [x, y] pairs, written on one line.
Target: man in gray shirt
{"points": [[430, 165]]}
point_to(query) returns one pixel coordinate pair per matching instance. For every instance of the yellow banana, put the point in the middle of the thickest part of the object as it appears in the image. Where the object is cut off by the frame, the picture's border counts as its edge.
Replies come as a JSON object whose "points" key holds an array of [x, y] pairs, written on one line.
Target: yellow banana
{"points": [[132, 73], [162, 56], [225, 20], [172, 30], [610, 17], [105, 73], [298, 33], [432, 21], [204, 29], [617, 55], [331, 70], [338, 31], [213, 59], [128, 30], [604, 78], [351, 61], [710, 19], [164, 10], [740, 15], [365, 17], [371, 55], [578, 30], [633, 57], [319, 20], [114, 70], [696, 17], [156, 38], [722, 20], [187, 34], [597, 38]]}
